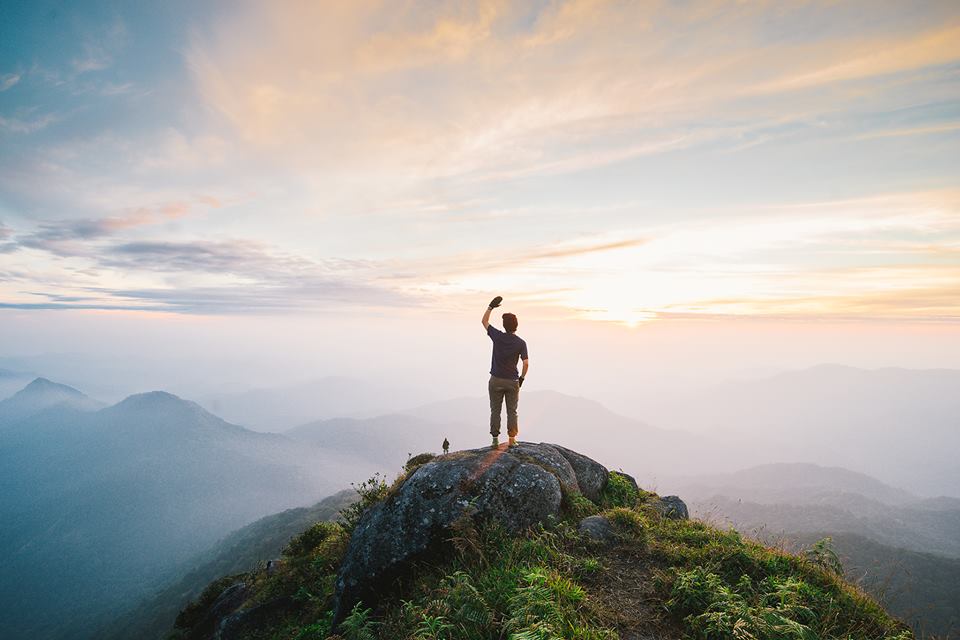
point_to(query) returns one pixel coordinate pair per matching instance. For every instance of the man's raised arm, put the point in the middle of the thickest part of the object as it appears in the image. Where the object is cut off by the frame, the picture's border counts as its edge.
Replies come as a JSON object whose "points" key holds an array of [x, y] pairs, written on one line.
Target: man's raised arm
{"points": [[490, 307]]}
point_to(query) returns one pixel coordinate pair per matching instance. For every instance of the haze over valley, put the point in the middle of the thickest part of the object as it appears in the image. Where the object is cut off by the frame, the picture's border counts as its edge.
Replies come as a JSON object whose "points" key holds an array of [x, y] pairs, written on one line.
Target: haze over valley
{"points": [[117, 502]]}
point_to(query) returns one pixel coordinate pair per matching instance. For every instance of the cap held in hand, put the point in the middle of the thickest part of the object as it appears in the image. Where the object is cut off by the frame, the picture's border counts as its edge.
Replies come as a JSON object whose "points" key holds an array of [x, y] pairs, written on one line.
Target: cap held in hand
{"points": [[496, 302]]}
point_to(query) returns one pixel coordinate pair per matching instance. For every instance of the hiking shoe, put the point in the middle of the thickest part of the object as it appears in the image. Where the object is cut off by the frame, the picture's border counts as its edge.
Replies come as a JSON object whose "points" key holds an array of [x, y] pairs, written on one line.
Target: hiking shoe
{"points": [[496, 442], [512, 442]]}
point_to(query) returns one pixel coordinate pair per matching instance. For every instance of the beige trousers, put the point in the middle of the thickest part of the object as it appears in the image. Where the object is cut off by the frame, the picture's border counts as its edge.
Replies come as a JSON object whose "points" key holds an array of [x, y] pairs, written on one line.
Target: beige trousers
{"points": [[500, 389]]}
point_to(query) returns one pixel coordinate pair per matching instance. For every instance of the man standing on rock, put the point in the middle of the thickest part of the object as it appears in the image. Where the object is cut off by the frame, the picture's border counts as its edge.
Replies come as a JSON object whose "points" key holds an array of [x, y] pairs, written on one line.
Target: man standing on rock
{"points": [[505, 382]]}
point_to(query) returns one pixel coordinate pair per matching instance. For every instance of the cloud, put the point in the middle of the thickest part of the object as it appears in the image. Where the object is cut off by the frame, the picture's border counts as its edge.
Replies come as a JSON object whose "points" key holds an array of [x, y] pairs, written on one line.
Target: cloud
{"points": [[506, 89], [100, 47], [881, 257], [7, 80], [27, 124], [248, 259], [225, 277], [73, 237], [877, 57]]}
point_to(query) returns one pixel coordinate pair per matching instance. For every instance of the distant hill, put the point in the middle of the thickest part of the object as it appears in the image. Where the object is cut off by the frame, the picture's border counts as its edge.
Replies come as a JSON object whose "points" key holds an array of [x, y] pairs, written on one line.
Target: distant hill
{"points": [[907, 527], [588, 426], [385, 440], [923, 589], [800, 498], [544, 416], [280, 408], [42, 394], [241, 551], [899, 425], [97, 506], [791, 482]]}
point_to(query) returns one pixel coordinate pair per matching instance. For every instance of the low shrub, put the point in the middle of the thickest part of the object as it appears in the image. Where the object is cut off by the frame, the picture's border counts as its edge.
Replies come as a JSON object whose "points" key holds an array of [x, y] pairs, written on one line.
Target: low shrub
{"points": [[618, 492]]}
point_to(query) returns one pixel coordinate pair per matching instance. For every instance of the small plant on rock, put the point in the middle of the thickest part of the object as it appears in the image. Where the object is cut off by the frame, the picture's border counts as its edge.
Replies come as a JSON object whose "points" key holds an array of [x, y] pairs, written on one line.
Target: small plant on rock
{"points": [[371, 491], [823, 555]]}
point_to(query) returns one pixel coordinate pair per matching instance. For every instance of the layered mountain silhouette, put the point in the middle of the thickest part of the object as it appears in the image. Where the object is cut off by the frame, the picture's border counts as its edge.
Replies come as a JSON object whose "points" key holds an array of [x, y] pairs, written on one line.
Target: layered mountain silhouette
{"points": [[99, 504], [279, 408], [105, 505], [584, 424]]}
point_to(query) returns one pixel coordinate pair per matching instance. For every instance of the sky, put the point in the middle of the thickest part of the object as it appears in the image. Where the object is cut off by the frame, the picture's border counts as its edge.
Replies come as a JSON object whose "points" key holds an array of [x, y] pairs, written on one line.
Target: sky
{"points": [[657, 189]]}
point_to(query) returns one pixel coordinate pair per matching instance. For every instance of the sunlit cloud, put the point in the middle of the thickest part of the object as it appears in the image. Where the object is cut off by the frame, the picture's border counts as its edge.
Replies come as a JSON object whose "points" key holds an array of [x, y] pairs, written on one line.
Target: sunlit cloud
{"points": [[878, 57], [445, 91], [878, 257]]}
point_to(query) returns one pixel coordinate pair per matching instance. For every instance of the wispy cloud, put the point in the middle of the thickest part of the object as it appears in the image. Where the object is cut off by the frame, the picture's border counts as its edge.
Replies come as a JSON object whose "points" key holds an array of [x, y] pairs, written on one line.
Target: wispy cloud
{"points": [[7, 80], [224, 277], [100, 47], [72, 237], [27, 124], [875, 57], [476, 89]]}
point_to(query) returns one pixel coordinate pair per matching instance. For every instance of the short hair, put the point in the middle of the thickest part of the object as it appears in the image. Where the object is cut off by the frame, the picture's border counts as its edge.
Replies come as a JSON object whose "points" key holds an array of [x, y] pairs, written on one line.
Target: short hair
{"points": [[510, 322]]}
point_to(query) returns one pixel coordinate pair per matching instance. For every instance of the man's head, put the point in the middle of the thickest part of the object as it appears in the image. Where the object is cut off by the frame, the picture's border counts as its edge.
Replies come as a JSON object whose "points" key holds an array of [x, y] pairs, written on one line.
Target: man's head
{"points": [[510, 322]]}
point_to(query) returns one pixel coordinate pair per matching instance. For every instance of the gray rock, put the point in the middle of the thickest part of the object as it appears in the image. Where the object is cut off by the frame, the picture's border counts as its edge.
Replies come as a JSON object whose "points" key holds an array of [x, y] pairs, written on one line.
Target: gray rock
{"points": [[520, 487], [597, 529], [591, 475], [672, 507], [226, 603]]}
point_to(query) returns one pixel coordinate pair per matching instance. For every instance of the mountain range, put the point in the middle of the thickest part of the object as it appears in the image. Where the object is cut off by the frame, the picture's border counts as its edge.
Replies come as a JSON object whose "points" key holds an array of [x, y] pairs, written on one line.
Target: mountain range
{"points": [[279, 408], [581, 423], [99, 504], [106, 506]]}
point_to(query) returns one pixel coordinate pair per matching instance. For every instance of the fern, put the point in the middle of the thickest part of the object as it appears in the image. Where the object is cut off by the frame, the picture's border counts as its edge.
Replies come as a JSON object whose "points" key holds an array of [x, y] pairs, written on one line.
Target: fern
{"points": [[358, 625]]}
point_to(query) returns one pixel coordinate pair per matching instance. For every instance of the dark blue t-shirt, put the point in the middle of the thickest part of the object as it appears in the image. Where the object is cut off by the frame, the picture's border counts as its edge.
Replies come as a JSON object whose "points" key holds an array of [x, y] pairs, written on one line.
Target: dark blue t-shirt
{"points": [[507, 348]]}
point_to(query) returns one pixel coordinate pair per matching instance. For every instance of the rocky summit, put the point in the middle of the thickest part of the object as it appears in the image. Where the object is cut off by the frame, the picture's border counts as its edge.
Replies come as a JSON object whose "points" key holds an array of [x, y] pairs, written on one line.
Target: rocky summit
{"points": [[530, 541], [519, 486]]}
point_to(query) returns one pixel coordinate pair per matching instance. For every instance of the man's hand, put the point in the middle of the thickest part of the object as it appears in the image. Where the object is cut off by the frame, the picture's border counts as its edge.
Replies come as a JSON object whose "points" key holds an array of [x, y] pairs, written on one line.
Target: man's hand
{"points": [[520, 382], [495, 302]]}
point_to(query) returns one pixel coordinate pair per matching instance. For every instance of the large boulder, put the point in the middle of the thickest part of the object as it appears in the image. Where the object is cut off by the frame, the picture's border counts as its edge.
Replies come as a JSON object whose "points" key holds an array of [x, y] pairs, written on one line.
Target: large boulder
{"points": [[591, 475], [519, 487]]}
